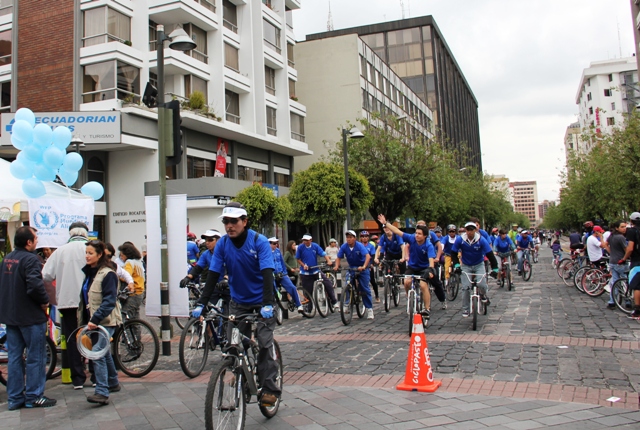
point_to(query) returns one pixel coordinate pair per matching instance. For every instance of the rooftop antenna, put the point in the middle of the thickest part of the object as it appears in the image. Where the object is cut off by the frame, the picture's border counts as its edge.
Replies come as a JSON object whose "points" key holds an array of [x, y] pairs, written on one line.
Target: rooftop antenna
{"points": [[402, 8], [329, 19], [619, 43]]}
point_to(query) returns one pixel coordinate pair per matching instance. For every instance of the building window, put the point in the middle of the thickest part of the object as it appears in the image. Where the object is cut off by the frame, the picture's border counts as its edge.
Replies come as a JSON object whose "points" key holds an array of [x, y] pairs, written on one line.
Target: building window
{"points": [[199, 36], [251, 174], [230, 15], [153, 36], [193, 83], [110, 80], [613, 106], [270, 80], [200, 167], [363, 67], [588, 82], [588, 96], [297, 127], [365, 100], [209, 4], [292, 90], [104, 25], [232, 102], [290, 57], [5, 98], [272, 129], [271, 36], [231, 57], [281, 179], [611, 121], [607, 92], [5, 47], [6, 7], [95, 172], [590, 110], [372, 74], [610, 77]]}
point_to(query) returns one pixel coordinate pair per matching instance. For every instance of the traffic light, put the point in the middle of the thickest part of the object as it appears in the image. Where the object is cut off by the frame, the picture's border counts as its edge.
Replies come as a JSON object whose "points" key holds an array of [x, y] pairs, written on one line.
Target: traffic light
{"points": [[150, 96], [174, 152]]}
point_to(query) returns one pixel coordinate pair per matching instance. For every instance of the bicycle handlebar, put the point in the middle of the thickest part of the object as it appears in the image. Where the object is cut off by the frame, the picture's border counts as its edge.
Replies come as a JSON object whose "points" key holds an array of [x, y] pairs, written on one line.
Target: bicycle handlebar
{"points": [[482, 276]]}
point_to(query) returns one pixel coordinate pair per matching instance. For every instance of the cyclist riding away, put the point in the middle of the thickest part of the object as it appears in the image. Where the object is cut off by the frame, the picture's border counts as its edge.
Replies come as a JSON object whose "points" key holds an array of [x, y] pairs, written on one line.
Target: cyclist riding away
{"points": [[248, 260], [281, 273], [357, 256], [474, 248], [371, 249], [523, 242], [307, 256]]}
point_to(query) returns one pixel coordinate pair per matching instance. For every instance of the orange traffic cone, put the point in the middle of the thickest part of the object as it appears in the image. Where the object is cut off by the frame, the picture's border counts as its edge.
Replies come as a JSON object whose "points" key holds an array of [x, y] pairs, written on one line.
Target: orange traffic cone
{"points": [[418, 374]]}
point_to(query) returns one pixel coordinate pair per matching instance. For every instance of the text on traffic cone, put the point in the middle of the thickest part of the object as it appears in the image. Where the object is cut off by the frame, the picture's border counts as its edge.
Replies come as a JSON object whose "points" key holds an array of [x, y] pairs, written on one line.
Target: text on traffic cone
{"points": [[418, 375]]}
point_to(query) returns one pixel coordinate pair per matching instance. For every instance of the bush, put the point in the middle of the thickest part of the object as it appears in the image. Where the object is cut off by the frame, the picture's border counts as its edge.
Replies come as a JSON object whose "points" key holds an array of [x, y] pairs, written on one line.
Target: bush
{"points": [[196, 100]]}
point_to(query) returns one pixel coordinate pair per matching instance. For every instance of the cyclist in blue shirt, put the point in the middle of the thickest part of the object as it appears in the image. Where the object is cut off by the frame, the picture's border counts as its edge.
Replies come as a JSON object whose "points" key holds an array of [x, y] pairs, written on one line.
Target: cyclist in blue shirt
{"points": [[307, 256], [421, 262], [201, 268], [391, 247], [474, 248], [358, 256], [364, 239], [503, 246], [248, 260], [523, 242], [447, 243], [483, 233], [193, 252], [281, 273]]}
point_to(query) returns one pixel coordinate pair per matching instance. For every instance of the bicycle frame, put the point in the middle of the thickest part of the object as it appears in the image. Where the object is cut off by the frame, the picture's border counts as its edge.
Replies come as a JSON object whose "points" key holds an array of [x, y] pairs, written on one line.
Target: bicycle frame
{"points": [[474, 285]]}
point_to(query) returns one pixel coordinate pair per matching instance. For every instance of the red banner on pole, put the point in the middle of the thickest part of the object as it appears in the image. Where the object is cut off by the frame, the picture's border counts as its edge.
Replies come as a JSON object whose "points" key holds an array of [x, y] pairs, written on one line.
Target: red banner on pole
{"points": [[221, 158]]}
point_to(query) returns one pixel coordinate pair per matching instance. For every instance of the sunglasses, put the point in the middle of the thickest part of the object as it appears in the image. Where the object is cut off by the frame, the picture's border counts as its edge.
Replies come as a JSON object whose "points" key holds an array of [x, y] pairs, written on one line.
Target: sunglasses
{"points": [[452, 231], [469, 228], [226, 221], [210, 239]]}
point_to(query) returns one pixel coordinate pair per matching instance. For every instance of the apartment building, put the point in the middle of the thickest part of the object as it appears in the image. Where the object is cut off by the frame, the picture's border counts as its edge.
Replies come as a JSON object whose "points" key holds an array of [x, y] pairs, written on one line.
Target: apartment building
{"points": [[525, 199], [362, 86], [97, 65]]}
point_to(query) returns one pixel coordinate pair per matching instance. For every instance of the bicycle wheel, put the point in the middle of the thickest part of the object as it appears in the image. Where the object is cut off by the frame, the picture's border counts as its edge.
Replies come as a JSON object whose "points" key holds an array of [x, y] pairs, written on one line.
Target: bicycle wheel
{"points": [[577, 277], [396, 292], [225, 406], [52, 357], [593, 282], [623, 296], [565, 271], [320, 298], [387, 294], [194, 347], [411, 308], [346, 311], [271, 411], [503, 275], [474, 312], [526, 270], [308, 307], [509, 278], [136, 348]]}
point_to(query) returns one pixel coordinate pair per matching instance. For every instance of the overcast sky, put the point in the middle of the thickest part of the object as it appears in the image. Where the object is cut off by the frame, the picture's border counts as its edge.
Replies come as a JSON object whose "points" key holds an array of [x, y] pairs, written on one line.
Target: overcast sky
{"points": [[522, 59]]}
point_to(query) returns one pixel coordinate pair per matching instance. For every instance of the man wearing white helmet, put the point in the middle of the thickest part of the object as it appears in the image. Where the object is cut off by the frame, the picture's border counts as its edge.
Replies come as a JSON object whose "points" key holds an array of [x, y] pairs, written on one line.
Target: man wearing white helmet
{"points": [[201, 268]]}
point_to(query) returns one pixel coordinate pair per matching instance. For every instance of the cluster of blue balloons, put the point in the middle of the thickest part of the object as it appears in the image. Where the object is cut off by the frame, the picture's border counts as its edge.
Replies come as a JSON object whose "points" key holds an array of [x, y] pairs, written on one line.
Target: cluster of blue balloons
{"points": [[43, 156]]}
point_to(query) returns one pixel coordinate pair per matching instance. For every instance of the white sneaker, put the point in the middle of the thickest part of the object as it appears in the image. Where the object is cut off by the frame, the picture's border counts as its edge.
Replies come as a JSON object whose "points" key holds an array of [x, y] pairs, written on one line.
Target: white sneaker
{"points": [[369, 314], [336, 307], [607, 288], [300, 309]]}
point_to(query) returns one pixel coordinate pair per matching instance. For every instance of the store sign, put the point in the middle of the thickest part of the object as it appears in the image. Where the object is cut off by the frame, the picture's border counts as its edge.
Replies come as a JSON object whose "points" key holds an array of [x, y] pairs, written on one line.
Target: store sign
{"points": [[90, 127]]}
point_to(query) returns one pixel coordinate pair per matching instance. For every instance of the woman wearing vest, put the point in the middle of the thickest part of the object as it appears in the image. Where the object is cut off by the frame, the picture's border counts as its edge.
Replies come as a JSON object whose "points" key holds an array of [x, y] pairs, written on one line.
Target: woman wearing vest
{"points": [[99, 305]]}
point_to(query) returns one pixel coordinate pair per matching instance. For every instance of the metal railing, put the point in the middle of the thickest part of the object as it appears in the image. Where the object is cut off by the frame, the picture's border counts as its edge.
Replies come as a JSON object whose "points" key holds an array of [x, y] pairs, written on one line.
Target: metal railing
{"points": [[298, 136], [200, 56], [107, 38], [270, 90], [208, 4], [108, 94], [272, 131], [291, 63], [233, 118], [273, 46], [231, 26]]}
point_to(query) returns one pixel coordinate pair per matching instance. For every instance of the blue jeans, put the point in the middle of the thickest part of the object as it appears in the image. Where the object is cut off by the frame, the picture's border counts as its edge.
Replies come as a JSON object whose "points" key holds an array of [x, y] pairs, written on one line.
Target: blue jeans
{"points": [[521, 259], [466, 284], [291, 289], [31, 338], [105, 371], [617, 271]]}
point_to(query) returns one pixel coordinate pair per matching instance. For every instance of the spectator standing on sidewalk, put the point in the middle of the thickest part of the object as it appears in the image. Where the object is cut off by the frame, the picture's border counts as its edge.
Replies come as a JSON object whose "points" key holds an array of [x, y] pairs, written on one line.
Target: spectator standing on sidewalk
{"points": [[632, 255], [332, 250], [23, 306], [617, 264]]}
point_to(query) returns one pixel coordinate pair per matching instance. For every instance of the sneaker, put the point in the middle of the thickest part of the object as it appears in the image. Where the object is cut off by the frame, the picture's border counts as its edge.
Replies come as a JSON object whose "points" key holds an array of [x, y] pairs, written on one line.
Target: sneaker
{"points": [[300, 309], [78, 387], [42, 402], [16, 407], [465, 314], [99, 399], [635, 314], [115, 388], [611, 305], [444, 306], [377, 299], [426, 314], [485, 299], [369, 314], [93, 385], [336, 306], [268, 400]]}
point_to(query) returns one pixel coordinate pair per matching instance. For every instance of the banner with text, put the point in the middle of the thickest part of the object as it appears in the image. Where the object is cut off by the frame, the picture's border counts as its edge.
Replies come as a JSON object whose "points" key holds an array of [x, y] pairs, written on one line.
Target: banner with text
{"points": [[221, 158], [52, 218]]}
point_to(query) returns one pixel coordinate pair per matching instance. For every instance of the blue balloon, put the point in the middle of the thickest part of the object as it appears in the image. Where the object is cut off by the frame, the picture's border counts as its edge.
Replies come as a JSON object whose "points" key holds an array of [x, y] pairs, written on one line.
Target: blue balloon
{"points": [[17, 143], [33, 188], [69, 178], [61, 137], [23, 131], [72, 162], [53, 157], [19, 170], [44, 172], [92, 189], [33, 153], [42, 135], [25, 114], [25, 160]]}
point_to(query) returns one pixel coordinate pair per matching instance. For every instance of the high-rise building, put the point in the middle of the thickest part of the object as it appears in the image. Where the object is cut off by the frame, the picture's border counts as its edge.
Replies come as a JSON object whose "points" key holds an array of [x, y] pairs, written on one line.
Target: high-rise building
{"points": [[572, 142], [525, 199], [417, 52], [501, 184], [635, 17], [543, 208], [95, 66], [363, 86]]}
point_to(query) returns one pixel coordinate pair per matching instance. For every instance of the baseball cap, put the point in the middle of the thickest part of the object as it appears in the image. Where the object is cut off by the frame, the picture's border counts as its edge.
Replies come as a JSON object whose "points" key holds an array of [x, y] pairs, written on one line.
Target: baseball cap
{"points": [[210, 233], [233, 212], [273, 239], [524, 232], [351, 232], [635, 216], [78, 224], [470, 224], [598, 229], [306, 237], [332, 240]]}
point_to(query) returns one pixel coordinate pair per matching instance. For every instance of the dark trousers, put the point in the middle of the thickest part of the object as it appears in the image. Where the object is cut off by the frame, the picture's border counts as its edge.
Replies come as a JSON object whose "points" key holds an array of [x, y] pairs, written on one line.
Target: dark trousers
{"points": [[307, 282], [438, 288], [372, 281], [68, 324], [267, 367]]}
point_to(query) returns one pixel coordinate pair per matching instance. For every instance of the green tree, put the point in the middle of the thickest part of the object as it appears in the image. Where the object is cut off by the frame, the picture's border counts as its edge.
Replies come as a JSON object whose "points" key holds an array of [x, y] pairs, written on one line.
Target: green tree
{"points": [[263, 208]]}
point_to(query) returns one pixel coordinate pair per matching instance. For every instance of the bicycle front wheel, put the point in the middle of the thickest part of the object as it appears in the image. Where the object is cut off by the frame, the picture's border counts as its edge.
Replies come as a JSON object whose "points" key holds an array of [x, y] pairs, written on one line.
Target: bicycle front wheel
{"points": [[453, 286], [593, 282], [387, 294], [566, 272], [308, 308], [395, 287], [623, 296], [411, 308], [509, 278], [194, 348], [526, 270], [346, 310], [577, 277], [51, 357], [320, 298], [474, 312], [225, 406], [136, 348], [271, 411]]}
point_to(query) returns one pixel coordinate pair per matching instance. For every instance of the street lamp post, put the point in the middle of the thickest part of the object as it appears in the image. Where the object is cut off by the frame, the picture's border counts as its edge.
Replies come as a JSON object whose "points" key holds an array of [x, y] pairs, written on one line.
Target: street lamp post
{"points": [[180, 41], [354, 133], [79, 143]]}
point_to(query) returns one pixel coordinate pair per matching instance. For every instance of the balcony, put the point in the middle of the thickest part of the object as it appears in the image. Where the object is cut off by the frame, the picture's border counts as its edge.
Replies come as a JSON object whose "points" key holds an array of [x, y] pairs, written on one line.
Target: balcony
{"points": [[179, 63], [295, 4], [181, 11]]}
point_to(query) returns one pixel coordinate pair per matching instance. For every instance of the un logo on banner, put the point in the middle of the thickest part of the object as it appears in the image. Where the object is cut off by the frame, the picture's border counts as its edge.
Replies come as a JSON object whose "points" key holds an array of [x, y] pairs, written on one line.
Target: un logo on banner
{"points": [[45, 220]]}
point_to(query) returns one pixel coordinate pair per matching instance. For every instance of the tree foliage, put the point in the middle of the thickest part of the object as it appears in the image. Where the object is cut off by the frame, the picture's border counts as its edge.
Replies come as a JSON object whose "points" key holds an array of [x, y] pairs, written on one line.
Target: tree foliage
{"points": [[263, 208]]}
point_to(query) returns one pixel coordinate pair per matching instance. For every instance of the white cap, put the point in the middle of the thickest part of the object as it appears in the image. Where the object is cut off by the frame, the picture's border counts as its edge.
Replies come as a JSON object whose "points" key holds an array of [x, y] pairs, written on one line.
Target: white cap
{"points": [[471, 224], [351, 232], [524, 231], [211, 233], [232, 212], [306, 237], [273, 239]]}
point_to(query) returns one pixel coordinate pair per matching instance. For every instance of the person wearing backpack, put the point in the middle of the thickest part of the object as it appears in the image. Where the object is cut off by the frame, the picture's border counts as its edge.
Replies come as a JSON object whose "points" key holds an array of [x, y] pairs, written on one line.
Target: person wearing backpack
{"points": [[632, 254]]}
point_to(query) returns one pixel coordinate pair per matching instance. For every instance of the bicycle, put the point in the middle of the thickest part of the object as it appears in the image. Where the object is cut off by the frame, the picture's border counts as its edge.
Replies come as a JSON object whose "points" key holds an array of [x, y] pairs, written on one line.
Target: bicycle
{"points": [[391, 290], [555, 261], [568, 266], [320, 298], [477, 305], [535, 256], [350, 297], [594, 280], [51, 361], [505, 272], [453, 286], [135, 345], [579, 274], [234, 380], [526, 265], [199, 337], [195, 290], [623, 296], [414, 300]]}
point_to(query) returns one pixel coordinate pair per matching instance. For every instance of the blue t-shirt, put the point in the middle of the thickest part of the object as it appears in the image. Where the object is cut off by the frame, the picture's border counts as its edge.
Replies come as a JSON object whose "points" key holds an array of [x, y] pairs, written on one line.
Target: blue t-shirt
{"points": [[524, 243], [192, 252], [356, 256], [447, 243], [205, 259], [503, 246], [485, 235], [370, 248], [278, 262], [419, 255], [309, 256], [473, 251], [244, 266], [392, 246], [434, 239]]}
